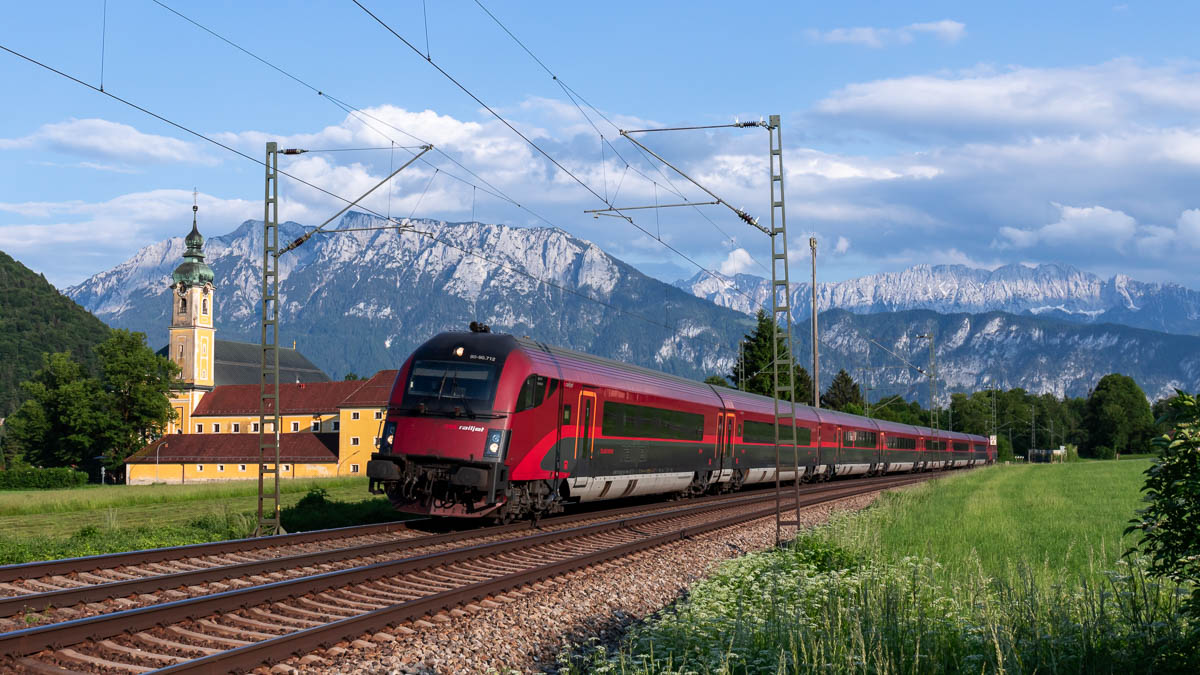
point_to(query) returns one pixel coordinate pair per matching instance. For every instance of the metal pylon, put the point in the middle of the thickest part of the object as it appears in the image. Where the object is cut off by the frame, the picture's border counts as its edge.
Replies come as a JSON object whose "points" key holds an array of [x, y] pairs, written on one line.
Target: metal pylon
{"points": [[783, 371], [268, 390]]}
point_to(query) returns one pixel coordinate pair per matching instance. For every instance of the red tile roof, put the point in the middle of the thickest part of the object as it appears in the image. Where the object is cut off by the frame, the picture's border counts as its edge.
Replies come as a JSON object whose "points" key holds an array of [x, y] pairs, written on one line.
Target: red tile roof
{"points": [[374, 393], [305, 397], [191, 448]]}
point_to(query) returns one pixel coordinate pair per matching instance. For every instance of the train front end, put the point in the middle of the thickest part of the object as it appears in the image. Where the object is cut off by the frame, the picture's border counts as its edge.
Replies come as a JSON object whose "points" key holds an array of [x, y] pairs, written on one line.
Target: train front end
{"points": [[444, 449]]}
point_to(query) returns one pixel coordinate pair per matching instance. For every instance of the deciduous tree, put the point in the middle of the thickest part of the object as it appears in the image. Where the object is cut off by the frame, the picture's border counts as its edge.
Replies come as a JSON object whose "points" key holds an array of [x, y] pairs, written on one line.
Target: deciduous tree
{"points": [[137, 384], [1117, 416], [64, 420]]}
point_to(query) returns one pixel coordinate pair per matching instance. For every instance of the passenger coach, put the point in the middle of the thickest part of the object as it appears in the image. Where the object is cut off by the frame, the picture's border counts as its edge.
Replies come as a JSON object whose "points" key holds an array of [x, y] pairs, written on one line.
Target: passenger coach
{"points": [[482, 424]]}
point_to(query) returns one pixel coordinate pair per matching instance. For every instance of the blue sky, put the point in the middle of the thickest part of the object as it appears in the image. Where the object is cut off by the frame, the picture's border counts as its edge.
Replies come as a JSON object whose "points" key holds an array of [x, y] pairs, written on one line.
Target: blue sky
{"points": [[975, 133]]}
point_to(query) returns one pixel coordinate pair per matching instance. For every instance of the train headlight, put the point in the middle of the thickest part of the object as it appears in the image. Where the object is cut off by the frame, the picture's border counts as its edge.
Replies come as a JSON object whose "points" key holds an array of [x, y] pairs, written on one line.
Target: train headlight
{"points": [[493, 445], [387, 438]]}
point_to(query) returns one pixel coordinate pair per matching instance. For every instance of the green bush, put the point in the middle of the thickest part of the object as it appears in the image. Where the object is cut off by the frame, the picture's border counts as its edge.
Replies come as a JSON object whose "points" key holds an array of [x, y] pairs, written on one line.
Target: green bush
{"points": [[1170, 524], [1103, 452], [41, 479]]}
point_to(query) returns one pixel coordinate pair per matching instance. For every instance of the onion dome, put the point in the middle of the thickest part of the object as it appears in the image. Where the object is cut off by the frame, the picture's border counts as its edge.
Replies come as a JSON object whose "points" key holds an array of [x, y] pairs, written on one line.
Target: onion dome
{"points": [[193, 271]]}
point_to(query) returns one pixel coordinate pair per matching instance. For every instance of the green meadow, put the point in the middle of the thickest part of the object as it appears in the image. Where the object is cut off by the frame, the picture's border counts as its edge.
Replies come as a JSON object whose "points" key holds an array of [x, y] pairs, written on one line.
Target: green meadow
{"points": [[1007, 569], [45, 524]]}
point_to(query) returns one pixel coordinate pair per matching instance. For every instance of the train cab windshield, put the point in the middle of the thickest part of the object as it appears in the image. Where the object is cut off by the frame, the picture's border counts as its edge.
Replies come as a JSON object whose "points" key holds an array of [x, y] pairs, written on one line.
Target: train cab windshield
{"points": [[451, 387]]}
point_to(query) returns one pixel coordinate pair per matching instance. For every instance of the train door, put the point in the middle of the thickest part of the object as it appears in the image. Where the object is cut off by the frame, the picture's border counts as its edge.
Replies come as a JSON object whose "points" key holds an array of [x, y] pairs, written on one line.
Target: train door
{"points": [[585, 433], [725, 447]]}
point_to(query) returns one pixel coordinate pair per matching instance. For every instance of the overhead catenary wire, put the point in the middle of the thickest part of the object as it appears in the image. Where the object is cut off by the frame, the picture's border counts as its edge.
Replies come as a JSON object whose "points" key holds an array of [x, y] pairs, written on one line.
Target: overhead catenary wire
{"points": [[531, 143], [397, 226], [574, 97], [358, 113]]}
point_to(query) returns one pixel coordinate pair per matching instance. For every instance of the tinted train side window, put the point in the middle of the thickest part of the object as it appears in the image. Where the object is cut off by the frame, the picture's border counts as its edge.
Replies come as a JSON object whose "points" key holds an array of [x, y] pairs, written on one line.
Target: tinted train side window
{"points": [[531, 394], [640, 421], [764, 432], [961, 447]]}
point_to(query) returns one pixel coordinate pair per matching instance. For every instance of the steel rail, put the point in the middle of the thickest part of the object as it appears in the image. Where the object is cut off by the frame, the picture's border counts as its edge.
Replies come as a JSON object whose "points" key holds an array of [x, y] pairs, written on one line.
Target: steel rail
{"points": [[126, 587], [38, 601], [33, 640], [43, 568], [295, 643]]}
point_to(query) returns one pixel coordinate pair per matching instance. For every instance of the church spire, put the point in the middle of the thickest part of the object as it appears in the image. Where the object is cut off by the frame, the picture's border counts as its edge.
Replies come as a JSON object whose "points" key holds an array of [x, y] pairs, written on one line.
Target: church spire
{"points": [[193, 271]]}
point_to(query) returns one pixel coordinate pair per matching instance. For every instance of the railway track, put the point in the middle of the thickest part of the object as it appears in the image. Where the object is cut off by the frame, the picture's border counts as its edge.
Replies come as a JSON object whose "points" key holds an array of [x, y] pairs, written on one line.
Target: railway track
{"points": [[261, 622], [47, 591]]}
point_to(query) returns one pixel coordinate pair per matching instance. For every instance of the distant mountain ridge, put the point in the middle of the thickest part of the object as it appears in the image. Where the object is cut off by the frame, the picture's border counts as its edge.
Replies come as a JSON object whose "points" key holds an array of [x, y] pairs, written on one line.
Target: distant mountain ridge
{"points": [[362, 301], [1053, 291], [998, 350]]}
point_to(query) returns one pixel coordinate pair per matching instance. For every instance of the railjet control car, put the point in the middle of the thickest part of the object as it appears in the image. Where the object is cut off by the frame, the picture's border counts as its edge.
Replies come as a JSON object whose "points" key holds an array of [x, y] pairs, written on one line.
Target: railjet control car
{"points": [[490, 425]]}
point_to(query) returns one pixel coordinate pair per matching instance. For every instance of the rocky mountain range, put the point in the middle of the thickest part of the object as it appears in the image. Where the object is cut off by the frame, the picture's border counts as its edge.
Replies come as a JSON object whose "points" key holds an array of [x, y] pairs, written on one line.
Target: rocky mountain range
{"points": [[996, 350], [362, 301], [1052, 291]]}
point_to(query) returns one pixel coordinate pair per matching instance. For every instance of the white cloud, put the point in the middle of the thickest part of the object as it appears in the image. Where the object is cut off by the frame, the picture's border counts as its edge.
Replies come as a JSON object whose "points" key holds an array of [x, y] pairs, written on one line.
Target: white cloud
{"points": [[737, 261], [111, 140], [121, 224], [1022, 99], [1188, 228], [945, 30], [843, 245], [1084, 227]]}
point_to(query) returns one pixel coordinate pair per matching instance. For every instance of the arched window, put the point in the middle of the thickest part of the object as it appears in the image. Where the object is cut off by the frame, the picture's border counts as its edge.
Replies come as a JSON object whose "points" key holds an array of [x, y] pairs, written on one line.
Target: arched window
{"points": [[182, 305], [181, 351], [204, 306]]}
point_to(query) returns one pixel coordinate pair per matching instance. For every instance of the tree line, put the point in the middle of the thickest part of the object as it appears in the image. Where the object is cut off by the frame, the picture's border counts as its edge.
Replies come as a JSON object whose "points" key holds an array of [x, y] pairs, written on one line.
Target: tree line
{"points": [[77, 416], [1114, 418]]}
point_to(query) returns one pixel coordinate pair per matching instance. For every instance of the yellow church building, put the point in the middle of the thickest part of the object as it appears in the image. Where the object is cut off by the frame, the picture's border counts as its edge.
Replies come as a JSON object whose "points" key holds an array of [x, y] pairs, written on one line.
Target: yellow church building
{"points": [[329, 428]]}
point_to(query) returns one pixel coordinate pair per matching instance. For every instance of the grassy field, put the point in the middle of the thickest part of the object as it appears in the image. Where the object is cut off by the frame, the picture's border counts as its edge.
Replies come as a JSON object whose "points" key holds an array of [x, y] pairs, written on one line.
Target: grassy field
{"points": [[1009, 569], [1058, 519], [62, 512], [44, 524]]}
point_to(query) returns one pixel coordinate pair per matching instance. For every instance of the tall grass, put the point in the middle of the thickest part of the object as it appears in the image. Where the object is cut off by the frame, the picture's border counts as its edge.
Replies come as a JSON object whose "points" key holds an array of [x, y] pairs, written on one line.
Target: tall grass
{"points": [[1008, 570]]}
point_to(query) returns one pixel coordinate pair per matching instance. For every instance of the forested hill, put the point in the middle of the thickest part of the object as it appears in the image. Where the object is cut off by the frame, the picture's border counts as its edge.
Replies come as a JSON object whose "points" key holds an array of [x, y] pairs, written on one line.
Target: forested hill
{"points": [[35, 318]]}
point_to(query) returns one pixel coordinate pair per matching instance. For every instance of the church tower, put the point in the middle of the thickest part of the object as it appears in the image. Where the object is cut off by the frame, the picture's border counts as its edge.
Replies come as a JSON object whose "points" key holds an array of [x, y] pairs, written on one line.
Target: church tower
{"points": [[192, 343]]}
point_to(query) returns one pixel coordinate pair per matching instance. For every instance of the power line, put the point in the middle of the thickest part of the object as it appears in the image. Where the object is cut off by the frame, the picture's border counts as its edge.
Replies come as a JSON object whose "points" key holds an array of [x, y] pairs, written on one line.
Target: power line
{"points": [[572, 96], [398, 227], [535, 146]]}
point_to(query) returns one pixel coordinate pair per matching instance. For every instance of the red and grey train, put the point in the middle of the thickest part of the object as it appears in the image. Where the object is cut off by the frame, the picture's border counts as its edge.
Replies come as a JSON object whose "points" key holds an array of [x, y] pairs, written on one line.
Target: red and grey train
{"points": [[490, 425]]}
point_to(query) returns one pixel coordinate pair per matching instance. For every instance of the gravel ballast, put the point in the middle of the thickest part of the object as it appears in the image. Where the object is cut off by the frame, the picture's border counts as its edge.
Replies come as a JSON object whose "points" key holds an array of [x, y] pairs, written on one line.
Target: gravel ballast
{"points": [[527, 630]]}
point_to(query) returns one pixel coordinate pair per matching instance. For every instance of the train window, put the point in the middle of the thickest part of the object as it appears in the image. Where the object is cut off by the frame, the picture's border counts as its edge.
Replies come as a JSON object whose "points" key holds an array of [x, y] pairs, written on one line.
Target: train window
{"points": [[443, 384], [551, 387], [764, 432], [566, 414], [900, 443], [860, 439], [531, 393], [640, 421], [934, 445], [979, 447], [961, 447], [803, 436]]}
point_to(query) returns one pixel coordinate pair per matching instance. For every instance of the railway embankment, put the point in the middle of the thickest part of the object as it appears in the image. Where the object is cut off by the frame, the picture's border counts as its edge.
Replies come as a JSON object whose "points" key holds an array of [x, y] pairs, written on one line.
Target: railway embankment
{"points": [[1007, 569]]}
